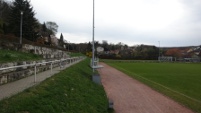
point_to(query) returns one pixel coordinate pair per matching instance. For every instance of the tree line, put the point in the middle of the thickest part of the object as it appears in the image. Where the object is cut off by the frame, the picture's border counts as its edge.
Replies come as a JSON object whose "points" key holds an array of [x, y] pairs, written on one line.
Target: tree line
{"points": [[120, 50], [13, 13]]}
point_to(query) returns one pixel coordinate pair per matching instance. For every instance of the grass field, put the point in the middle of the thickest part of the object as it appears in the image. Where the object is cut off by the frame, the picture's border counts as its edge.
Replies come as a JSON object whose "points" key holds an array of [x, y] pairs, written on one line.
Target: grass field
{"points": [[70, 91], [180, 81]]}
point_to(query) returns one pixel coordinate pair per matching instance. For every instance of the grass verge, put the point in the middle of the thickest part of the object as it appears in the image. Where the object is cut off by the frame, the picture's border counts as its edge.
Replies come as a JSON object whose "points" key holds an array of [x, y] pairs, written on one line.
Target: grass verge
{"points": [[76, 54], [179, 81], [14, 56], [70, 91]]}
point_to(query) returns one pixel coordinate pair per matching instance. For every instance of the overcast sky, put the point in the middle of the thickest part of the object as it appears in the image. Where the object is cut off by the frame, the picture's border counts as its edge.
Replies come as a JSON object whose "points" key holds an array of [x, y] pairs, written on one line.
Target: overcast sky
{"points": [[170, 22]]}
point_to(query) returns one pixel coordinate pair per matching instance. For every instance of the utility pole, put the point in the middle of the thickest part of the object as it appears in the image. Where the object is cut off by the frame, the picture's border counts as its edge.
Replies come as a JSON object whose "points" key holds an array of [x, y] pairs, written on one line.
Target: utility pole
{"points": [[93, 40], [159, 51], [21, 13]]}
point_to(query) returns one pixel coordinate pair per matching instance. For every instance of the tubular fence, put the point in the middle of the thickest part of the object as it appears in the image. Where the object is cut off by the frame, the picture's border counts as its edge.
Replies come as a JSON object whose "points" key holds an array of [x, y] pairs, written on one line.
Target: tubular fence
{"points": [[71, 60]]}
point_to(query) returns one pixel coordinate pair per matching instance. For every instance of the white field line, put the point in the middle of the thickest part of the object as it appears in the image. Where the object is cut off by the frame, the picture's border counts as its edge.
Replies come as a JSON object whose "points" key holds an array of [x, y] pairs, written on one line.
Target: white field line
{"points": [[163, 86]]}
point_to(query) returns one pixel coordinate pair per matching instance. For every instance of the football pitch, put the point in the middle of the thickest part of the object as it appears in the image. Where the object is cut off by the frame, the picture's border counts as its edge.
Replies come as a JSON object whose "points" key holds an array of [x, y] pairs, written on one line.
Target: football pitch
{"points": [[179, 81]]}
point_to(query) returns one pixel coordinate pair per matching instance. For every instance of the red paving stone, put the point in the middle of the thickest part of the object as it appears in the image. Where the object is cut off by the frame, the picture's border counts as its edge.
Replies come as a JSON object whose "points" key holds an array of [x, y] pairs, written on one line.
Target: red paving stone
{"points": [[131, 96]]}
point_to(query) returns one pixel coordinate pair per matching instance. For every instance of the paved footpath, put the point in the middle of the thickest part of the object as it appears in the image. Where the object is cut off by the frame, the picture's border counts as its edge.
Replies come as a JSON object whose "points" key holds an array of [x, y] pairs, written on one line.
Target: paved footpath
{"points": [[131, 96], [9, 89]]}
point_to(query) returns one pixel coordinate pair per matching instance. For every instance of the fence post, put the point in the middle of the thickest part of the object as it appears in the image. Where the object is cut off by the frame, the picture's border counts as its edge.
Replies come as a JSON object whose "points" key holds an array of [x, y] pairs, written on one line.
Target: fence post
{"points": [[64, 62], [60, 64], [51, 68], [35, 73]]}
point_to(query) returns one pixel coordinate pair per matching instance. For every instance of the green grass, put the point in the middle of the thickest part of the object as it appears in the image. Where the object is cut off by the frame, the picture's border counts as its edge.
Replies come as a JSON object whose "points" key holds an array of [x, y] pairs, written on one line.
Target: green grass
{"points": [[70, 91], [76, 54], [14, 56], [180, 81]]}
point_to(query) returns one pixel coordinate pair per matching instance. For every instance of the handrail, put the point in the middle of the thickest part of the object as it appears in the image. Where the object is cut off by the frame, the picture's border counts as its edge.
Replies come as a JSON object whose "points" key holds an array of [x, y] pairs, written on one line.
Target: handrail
{"points": [[16, 67], [37, 64]]}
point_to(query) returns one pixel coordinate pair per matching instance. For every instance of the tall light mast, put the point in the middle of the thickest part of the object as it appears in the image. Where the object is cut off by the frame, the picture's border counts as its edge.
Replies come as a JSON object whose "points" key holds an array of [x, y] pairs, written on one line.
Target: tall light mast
{"points": [[93, 49]]}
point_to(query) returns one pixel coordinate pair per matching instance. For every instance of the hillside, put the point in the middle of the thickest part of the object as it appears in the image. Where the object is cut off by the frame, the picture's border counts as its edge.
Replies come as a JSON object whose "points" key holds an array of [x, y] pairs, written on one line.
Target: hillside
{"points": [[15, 56]]}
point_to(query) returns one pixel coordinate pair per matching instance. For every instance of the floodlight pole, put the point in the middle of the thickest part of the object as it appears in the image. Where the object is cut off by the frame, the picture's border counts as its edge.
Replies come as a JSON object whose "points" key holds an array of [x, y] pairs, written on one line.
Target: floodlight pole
{"points": [[21, 13], [93, 40], [159, 51], [68, 46]]}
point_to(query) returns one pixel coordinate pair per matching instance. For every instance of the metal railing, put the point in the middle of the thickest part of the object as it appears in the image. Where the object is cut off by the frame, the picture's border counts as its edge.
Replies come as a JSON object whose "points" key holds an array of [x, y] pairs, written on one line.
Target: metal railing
{"points": [[95, 64], [71, 60]]}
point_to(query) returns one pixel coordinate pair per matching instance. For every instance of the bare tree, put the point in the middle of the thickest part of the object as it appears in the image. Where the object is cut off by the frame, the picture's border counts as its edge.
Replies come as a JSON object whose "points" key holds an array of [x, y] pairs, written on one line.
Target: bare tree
{"points": [[52, 26]]}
